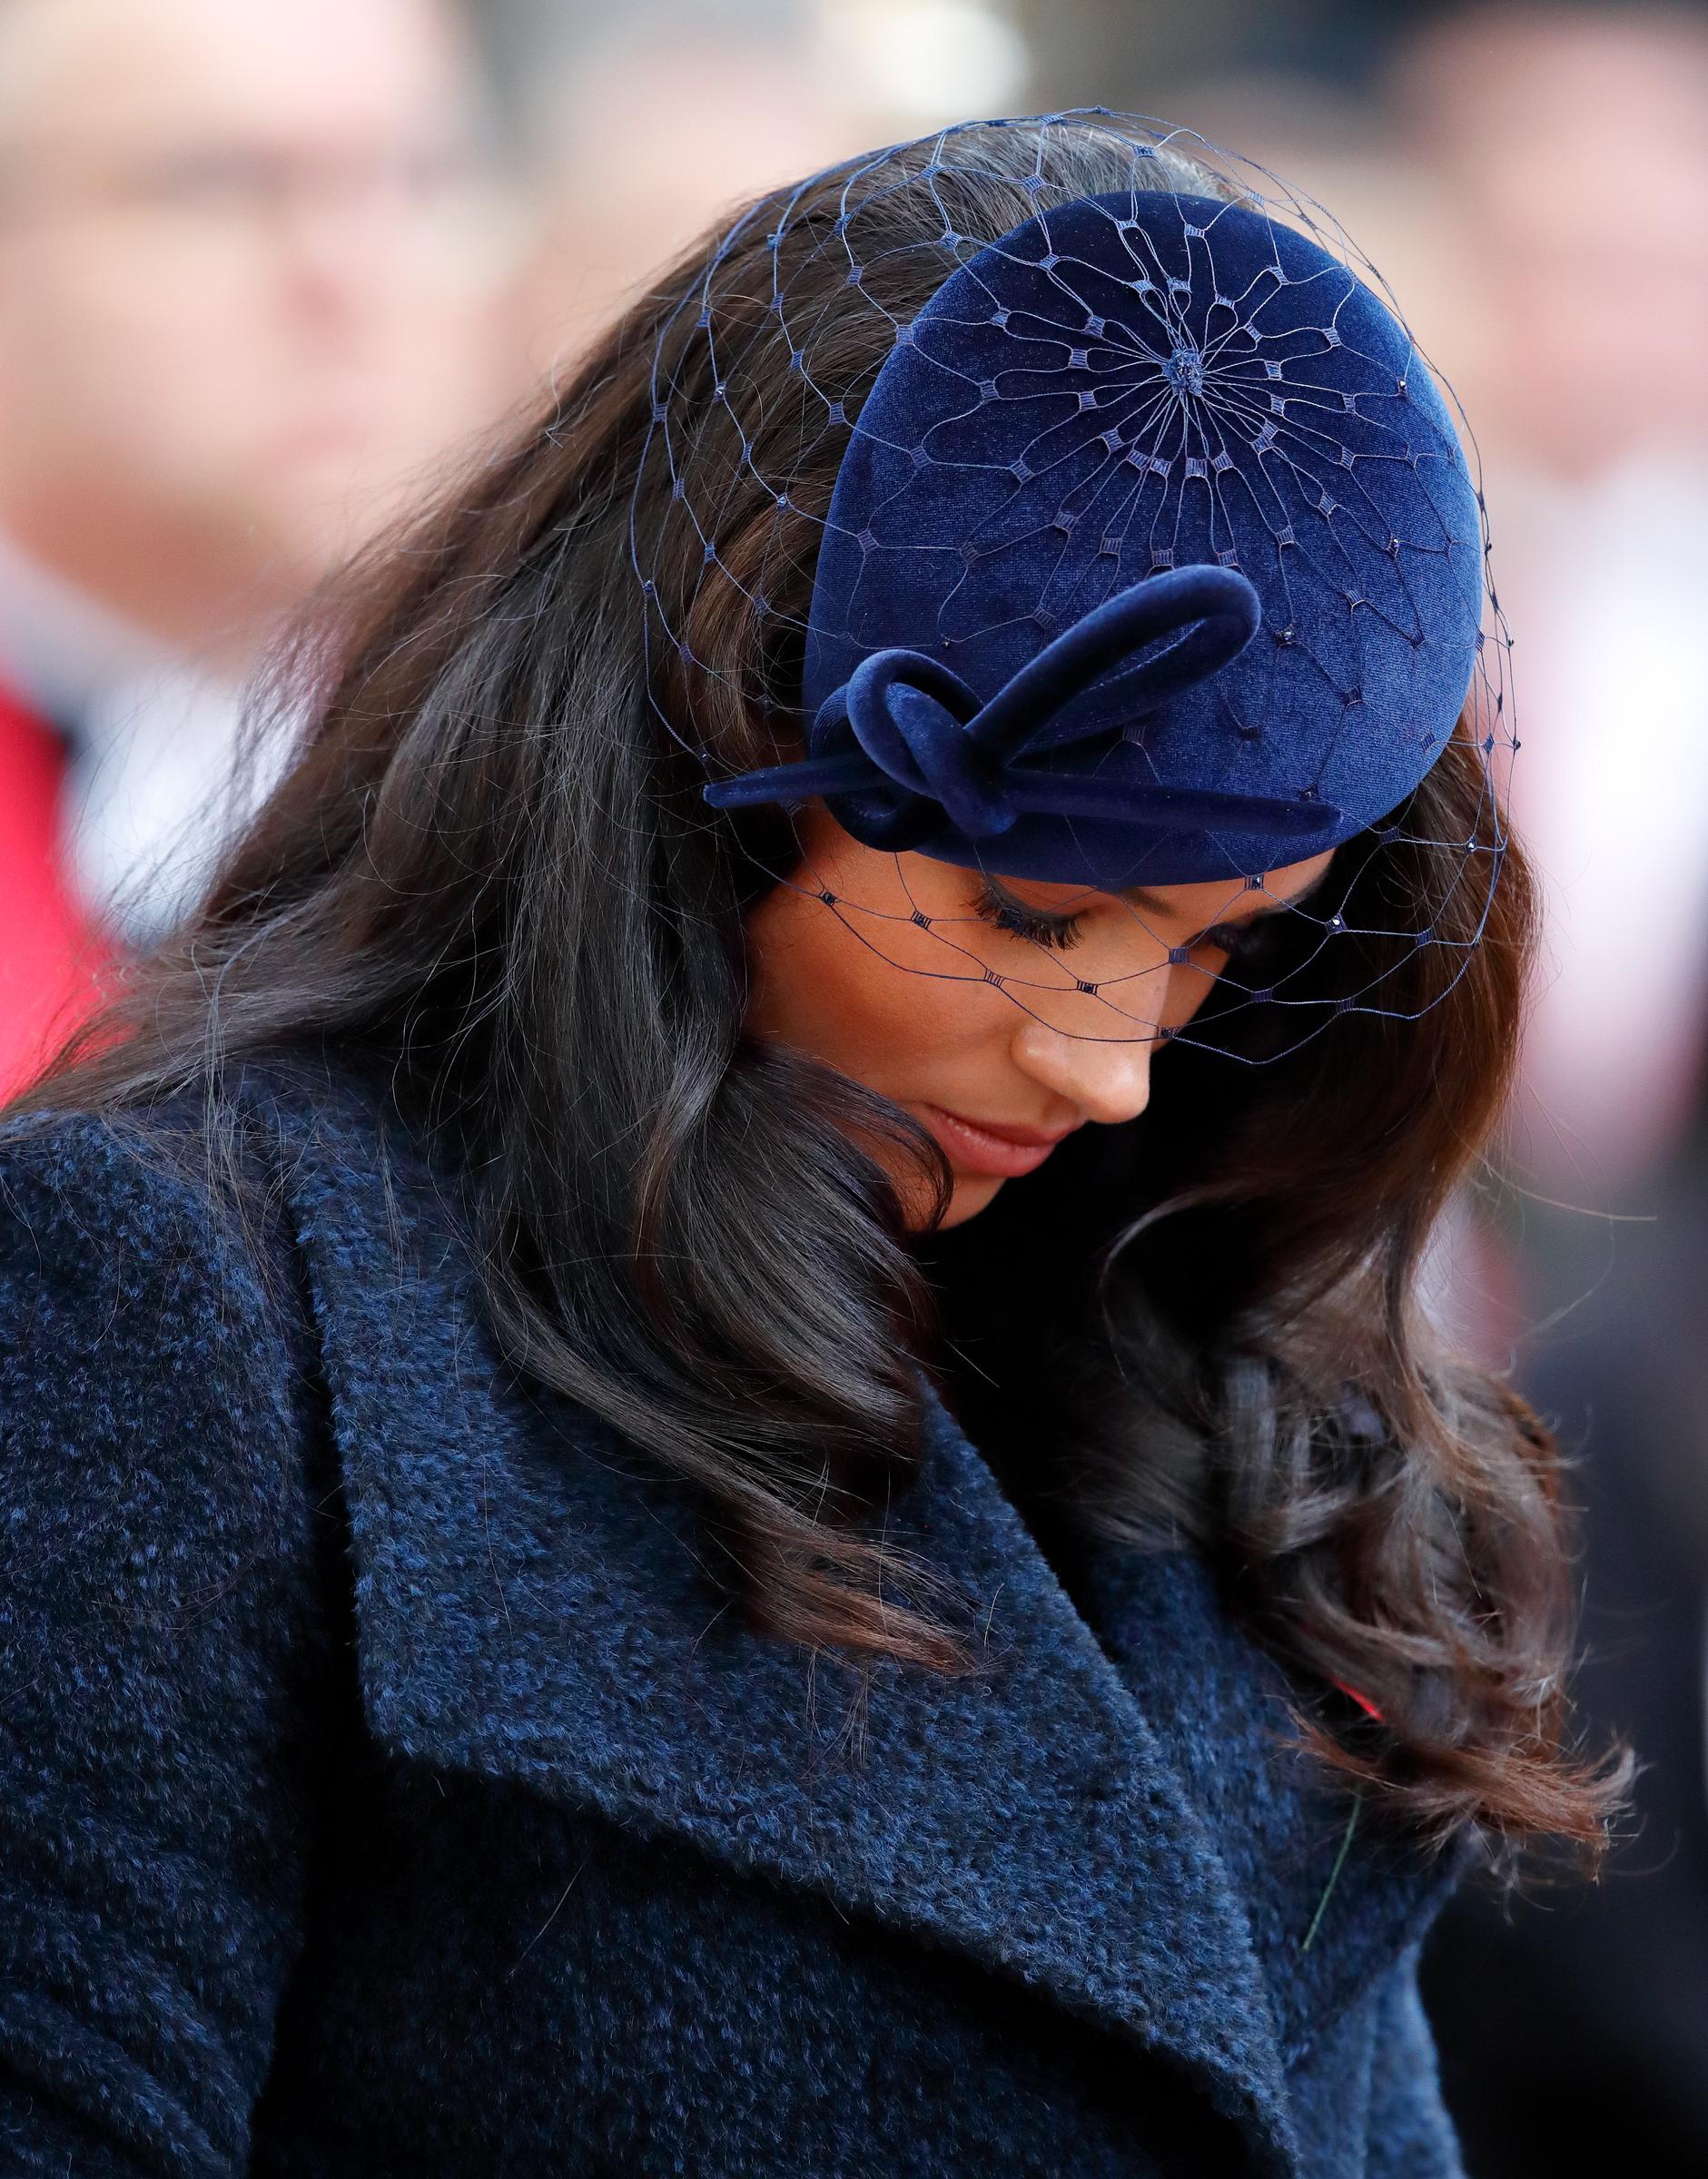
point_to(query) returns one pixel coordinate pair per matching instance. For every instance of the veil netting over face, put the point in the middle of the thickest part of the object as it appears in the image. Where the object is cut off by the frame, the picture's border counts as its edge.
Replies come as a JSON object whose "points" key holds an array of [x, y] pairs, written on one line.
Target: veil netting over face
{"points": [[1097, 522]]}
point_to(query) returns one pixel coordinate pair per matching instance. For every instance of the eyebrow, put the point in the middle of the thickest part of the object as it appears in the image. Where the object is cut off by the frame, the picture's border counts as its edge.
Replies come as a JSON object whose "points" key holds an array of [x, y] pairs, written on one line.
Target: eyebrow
{"points": [[1142, 898], [1274, 902]]}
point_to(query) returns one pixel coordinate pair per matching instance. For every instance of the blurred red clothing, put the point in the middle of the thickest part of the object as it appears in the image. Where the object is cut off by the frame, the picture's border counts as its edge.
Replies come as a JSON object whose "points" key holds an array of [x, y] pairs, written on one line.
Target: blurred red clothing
{"points": [[52, 956]]}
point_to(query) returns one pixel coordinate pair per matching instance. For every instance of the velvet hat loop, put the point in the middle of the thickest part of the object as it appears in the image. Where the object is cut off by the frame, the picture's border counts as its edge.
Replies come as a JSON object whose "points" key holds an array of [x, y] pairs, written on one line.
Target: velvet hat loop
{"points": [[906, 746]]}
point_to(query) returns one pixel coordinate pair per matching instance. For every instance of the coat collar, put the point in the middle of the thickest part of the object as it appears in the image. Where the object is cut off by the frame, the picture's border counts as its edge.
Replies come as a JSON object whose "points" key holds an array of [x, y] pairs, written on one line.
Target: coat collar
{"points": [[531, 1607]]}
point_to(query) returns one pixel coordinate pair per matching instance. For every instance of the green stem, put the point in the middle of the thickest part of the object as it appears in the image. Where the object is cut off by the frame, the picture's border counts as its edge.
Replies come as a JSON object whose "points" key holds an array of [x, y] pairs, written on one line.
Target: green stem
{"points": [[1333, 1873]]}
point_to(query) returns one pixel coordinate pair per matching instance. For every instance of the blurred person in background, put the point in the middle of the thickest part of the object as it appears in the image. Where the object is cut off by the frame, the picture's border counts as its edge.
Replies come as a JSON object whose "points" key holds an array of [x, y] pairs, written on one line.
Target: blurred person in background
{"points": [[250, 266], [638, 127], [1567, 152], [640, 130]]}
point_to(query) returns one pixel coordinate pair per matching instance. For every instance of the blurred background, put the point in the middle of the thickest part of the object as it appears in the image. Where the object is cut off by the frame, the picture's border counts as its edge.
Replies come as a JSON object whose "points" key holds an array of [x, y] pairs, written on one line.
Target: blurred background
{"points": [[267, 266]]}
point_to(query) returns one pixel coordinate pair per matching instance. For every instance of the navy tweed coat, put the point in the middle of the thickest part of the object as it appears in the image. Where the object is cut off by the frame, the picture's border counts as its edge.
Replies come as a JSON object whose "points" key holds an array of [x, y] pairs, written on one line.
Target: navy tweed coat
{"points": [[385, 1789]]}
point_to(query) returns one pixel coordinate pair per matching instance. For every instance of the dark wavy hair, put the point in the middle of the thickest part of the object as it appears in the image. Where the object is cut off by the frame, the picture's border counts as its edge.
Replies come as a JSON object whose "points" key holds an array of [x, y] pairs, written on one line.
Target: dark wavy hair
{"points": [[488, 870]]}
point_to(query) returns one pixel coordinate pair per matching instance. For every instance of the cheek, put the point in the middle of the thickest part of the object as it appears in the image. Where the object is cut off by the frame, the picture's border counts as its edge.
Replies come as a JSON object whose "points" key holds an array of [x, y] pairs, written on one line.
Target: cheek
{"points": [[890, 1020]]}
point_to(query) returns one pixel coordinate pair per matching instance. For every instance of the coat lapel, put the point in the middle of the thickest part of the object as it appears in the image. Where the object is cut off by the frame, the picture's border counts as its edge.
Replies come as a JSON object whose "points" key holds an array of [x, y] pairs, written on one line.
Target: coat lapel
{"points": [[1324, 1921], [531, 1607]]}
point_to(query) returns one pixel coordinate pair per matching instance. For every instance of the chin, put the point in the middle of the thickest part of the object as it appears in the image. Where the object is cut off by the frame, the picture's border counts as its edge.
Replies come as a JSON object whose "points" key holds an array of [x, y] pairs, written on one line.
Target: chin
{"points": [[973, 1193]]}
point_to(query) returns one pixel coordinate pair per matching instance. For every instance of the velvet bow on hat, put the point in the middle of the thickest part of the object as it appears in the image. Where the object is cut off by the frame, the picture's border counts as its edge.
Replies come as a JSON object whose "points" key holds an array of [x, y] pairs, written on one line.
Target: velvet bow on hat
{"points": [[1153, 557]]}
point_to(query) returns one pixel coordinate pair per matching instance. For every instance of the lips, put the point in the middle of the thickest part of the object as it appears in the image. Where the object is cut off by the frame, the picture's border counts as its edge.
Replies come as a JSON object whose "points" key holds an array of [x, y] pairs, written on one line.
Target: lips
{"points": [[990, 1147]]}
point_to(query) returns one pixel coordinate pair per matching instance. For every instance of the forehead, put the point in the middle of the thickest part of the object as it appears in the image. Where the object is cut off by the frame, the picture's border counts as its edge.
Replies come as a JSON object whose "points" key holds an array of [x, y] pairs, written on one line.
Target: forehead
{"points": [[99, 74]]}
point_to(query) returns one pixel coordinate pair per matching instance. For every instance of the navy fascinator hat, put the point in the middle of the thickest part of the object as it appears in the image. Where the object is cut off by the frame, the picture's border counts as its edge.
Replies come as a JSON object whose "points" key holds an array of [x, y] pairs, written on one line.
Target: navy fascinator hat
{"points": [[1153, 557], [1150, 553]]}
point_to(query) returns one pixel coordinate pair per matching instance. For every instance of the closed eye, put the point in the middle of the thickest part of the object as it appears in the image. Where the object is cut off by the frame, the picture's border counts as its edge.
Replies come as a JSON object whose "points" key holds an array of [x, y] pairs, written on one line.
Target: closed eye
{"points": [[1252, 941], [1261, 936], [1038, 925], [1228, 938], [1249, 941]]}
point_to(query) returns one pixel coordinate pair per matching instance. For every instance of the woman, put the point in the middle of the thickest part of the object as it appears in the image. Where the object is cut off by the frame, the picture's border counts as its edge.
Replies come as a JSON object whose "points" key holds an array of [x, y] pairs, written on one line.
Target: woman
{"points": [[719, 1458]]}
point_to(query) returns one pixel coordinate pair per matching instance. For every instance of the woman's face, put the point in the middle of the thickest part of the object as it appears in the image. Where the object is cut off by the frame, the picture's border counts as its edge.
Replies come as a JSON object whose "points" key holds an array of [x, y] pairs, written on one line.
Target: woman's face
{"points": [[998, 1076]]}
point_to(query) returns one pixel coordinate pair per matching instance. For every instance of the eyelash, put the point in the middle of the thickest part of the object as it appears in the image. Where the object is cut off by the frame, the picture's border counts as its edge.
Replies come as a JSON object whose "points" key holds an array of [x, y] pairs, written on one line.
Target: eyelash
{"points": [[1239, 939], [1059, 931]]}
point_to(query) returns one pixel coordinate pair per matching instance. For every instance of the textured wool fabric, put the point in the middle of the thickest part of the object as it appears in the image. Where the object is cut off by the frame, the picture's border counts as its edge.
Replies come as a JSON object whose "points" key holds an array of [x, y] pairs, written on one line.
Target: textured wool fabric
{"points": [[384, 1787]]}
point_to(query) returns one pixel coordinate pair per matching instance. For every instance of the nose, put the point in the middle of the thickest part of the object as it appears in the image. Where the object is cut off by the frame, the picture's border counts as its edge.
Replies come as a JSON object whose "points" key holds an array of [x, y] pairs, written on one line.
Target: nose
{"points": [[1106, 1077], [337, 250]]}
